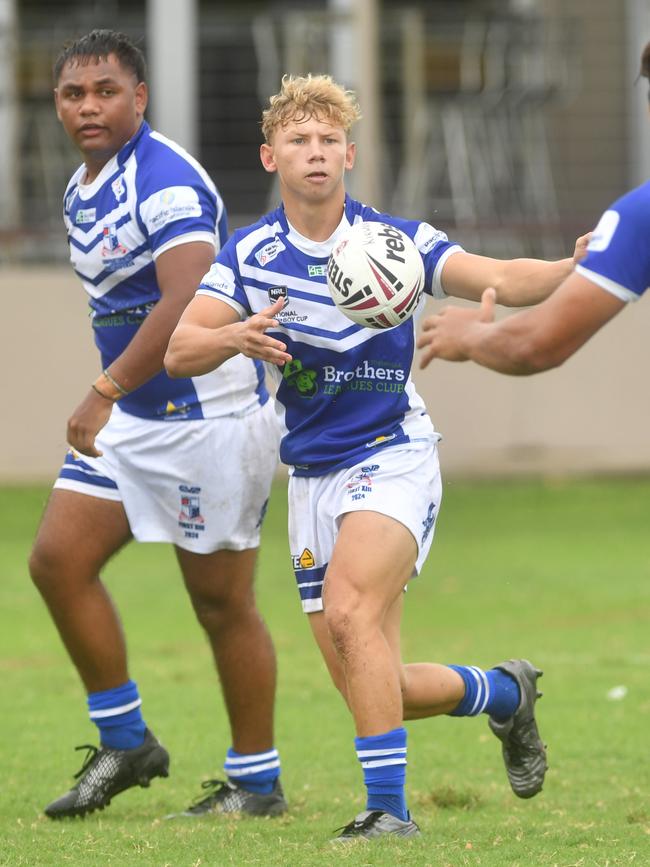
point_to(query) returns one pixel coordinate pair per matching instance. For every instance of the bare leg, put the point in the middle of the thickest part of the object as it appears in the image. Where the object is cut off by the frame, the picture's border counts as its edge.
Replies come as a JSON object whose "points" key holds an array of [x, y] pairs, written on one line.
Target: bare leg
{"points": [[428, 689], [78, 534], [221, 589]]}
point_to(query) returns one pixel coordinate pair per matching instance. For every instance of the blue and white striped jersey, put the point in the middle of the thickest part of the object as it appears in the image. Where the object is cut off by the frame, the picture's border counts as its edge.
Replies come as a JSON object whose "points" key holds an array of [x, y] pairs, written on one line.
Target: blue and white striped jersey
{"points": [[347, 392], [148, 198], [618, 255]]}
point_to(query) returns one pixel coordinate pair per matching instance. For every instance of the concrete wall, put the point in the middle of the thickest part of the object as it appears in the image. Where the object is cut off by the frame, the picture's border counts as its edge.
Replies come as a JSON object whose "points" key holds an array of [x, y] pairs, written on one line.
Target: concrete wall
{"points": [[593, 415]]}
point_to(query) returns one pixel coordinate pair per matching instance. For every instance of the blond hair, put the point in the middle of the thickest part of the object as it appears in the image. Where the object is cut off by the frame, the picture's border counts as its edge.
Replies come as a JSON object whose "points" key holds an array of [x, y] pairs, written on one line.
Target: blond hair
{"points": [[304, 96]]}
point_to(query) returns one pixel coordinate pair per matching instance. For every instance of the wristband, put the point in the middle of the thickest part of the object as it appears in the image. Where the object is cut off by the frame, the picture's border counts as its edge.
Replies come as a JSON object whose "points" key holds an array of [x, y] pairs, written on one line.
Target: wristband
{"points": [[123, 391], [101, 393]]}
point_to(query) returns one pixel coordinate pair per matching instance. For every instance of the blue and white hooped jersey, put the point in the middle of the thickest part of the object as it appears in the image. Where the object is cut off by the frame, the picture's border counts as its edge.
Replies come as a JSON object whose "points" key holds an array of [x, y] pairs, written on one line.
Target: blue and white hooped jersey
{"points": [[150, 197], [347, 392], [618, 255]]}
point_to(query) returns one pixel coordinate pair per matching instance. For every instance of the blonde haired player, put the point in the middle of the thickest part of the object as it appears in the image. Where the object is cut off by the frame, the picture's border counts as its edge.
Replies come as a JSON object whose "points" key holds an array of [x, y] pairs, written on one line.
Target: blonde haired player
{"points": [[365, 489]]}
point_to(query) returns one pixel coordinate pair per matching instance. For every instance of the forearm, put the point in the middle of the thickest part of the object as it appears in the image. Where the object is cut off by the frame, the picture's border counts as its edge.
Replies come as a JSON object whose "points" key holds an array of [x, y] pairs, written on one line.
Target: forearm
{"points": [[524, 282], [143, 357], [195, 349]]}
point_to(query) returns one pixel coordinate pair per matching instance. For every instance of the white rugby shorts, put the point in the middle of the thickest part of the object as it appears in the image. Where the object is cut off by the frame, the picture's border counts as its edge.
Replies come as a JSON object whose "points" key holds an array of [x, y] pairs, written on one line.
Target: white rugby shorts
{"points": [[200, 484], [402, 482]]}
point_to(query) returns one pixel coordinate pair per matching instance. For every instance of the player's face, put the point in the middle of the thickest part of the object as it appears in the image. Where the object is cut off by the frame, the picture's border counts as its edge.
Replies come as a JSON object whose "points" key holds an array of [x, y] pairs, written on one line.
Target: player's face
{"points": [[100, 105], [310, 157]]}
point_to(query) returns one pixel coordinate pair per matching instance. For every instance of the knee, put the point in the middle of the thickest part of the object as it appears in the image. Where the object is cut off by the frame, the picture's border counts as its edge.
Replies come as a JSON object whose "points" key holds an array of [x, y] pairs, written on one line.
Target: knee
{"points": [[342, 628], [217, 612], [45, 566]]}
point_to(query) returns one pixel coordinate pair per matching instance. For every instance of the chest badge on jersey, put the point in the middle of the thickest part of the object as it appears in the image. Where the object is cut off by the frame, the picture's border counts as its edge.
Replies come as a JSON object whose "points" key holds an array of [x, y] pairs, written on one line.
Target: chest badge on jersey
{"points": [[276, 292], [114, 254]]}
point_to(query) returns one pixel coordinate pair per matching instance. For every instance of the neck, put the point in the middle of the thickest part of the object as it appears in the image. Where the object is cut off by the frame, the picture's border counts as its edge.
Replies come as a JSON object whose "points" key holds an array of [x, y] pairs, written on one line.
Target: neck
{"points": [[315, 220]]}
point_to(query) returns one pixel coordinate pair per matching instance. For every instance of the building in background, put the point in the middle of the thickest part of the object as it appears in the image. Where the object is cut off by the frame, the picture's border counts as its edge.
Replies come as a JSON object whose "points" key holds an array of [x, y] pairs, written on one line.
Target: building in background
{"points": [[506, 123]]}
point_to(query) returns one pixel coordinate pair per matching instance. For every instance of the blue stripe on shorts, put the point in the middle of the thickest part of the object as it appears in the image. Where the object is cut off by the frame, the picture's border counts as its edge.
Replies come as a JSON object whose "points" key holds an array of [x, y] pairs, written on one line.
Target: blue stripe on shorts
{"points": [[310, 582], [79, 471]]}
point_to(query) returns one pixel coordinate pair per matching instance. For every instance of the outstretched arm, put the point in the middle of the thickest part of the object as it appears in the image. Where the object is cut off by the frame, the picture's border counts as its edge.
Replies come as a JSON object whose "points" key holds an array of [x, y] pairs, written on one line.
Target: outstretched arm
{"points": [[517, 282], [210, 332], [527, 342]]}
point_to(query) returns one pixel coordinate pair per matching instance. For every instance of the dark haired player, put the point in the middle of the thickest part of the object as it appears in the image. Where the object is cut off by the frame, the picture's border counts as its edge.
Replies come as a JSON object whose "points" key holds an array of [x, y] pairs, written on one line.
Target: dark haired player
{"points": [[187, 461]]}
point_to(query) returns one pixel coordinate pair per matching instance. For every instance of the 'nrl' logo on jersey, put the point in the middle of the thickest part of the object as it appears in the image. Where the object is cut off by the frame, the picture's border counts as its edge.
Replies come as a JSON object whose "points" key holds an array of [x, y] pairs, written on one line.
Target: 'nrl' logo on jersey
{"points": [[276, 292]]}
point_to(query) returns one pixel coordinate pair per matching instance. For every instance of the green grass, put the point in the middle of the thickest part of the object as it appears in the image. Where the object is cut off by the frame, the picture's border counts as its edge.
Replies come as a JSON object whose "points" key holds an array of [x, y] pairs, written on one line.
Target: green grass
{"points": [[556, 572]]}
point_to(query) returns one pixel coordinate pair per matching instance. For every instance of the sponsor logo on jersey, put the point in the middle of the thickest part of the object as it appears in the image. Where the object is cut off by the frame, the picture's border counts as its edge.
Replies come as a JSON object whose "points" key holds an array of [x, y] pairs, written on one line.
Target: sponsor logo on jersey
{"points": [[190, 519], [429, 521], [118, 187], [86, 215], [303, 561], [276, 292], [431, 242], [173, 409], [376, 376], [269, 251], [303, 380], [317, 270], [380, 440]]}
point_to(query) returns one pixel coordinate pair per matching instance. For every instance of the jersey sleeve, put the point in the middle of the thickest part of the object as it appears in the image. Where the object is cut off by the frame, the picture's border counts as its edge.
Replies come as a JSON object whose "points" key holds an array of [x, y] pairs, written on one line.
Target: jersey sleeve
{"points": [[618, 255], [177, 206], [223, 281]]}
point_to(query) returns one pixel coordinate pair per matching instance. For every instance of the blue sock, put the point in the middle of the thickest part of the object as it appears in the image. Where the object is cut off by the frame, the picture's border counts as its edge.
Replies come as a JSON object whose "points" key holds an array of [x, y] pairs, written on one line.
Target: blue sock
{"points": [[383, 759], [493, 692], [116, 713], [255, 772]]}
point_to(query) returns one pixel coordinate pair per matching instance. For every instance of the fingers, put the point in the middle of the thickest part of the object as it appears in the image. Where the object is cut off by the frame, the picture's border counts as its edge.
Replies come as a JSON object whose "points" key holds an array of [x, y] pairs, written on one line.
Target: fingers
{"points": [[488, 301]]}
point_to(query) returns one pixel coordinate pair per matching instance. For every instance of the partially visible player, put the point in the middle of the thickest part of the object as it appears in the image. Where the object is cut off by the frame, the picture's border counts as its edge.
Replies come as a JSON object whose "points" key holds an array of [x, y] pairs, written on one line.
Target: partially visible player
{"points": [[188, 462], [616, 270], [365, 489]]}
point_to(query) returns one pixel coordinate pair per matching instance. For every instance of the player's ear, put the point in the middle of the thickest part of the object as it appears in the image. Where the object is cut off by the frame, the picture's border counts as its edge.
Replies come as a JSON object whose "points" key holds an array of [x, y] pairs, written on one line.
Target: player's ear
{"points": [[350, 154], [141, 97], [56, 102], [267, 157]]}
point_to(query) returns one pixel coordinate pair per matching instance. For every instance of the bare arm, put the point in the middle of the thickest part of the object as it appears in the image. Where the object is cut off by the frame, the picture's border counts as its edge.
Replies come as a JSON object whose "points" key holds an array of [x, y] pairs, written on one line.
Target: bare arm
{"points": [[527, 342], [178, 272], [210, 332], [518, 282]]}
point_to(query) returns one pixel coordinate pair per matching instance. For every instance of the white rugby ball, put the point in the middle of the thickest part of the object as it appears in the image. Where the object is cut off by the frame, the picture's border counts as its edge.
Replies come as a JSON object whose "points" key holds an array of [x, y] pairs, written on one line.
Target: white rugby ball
{"points": [[375, 275]]}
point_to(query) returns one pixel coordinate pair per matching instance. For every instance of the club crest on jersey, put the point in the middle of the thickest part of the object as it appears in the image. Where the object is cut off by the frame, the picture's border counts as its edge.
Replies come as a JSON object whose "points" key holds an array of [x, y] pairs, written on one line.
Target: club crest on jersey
{"points": [[111, 246], [118, 187], [269, 251], [190, 519], [276, 292]]}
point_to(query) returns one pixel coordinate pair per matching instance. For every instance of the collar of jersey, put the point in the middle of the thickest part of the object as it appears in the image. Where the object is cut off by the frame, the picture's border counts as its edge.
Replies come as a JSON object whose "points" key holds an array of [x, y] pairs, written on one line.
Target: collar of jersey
{"points": [[87, 191]]}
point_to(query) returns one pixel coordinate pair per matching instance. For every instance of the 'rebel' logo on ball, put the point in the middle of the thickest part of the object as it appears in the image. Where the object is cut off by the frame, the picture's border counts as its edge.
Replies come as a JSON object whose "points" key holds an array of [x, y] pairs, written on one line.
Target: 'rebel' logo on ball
{"points": [[375, 275]]}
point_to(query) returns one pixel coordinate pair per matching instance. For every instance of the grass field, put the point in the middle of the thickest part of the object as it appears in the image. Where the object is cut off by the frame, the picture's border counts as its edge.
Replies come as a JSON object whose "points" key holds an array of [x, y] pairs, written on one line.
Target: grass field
{"points": [[559, 573]]}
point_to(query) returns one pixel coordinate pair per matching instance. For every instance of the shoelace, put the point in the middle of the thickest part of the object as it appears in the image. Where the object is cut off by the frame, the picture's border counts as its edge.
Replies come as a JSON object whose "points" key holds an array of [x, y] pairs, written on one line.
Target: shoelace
{"points": [[216, 786], [370, 820], [91, 755]]}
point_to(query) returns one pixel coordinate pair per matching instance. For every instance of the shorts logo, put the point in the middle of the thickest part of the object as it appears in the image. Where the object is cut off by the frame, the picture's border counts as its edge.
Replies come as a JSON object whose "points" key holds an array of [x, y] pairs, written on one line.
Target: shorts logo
{"points": [[361, 483], [276, 292], [429, 521], [303, 561], [190, 518], [269, 251]]}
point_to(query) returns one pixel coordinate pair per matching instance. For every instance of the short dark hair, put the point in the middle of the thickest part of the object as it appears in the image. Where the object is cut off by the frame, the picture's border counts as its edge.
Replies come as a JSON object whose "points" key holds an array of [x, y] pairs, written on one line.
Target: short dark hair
{"points": [[97, 45]]}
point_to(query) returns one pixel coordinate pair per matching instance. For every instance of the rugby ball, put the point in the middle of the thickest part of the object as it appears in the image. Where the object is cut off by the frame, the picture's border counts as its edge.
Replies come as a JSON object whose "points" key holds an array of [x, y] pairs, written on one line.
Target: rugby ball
{"points": [[375, 275]]}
